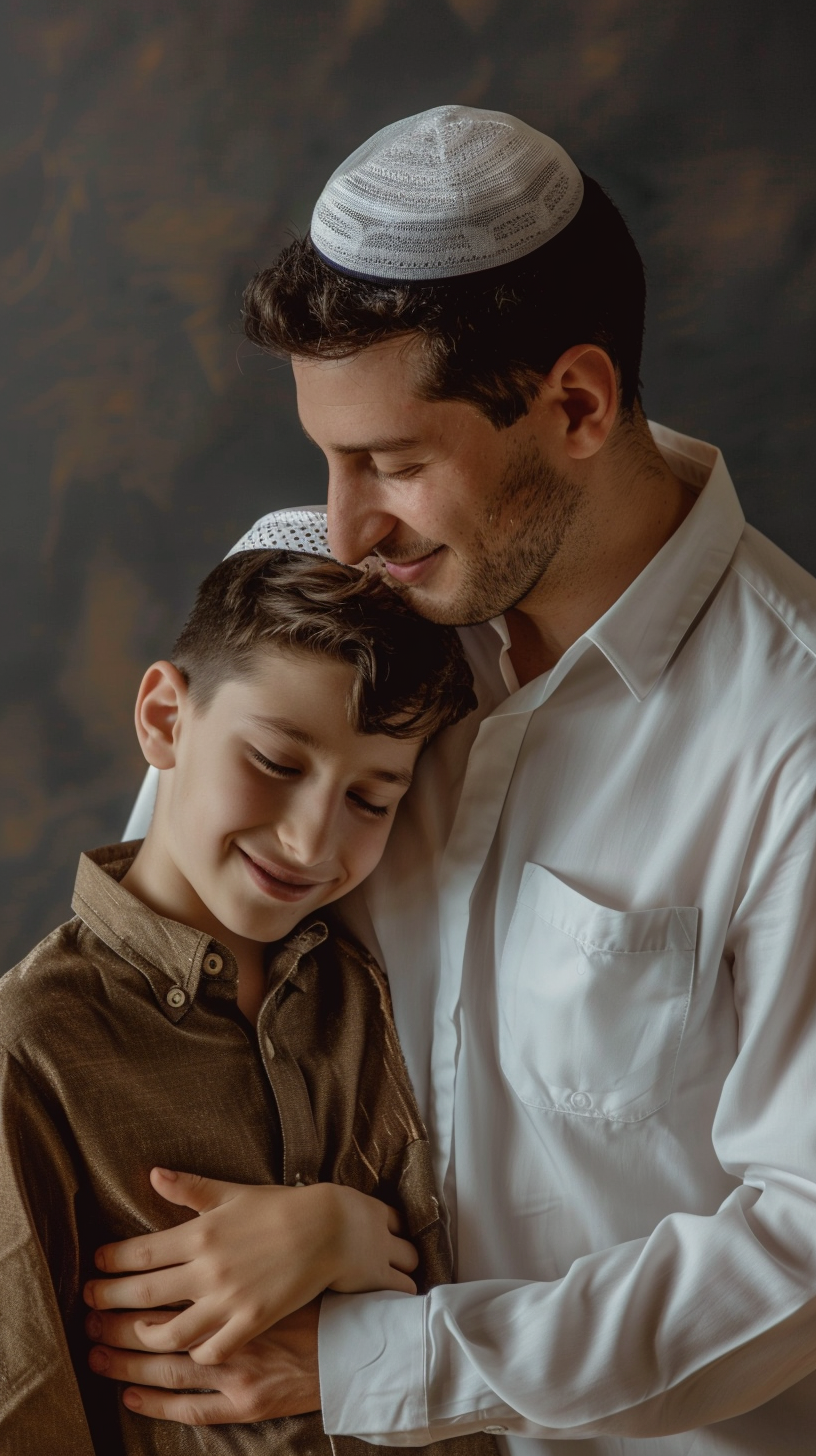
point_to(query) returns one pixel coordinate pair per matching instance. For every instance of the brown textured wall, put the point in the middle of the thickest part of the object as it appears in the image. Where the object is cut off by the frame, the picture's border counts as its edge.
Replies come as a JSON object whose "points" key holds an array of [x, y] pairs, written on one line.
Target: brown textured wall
{"points": [[153, 154]]}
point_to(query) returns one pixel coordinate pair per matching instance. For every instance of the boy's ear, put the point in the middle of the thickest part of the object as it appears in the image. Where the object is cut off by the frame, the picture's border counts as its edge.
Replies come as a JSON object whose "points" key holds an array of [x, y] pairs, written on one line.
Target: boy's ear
{"points": [[162, 697]]}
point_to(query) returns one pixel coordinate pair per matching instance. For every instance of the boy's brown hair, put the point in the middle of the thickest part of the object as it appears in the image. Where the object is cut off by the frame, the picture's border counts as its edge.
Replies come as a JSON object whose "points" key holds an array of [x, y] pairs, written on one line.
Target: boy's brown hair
{"points": [[410, 675]]}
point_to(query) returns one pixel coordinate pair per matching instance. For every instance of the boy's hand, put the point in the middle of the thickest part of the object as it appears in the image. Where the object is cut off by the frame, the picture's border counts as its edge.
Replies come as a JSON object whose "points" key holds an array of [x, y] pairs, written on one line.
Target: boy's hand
{"points": [[275, 1375], [255, 1254]]}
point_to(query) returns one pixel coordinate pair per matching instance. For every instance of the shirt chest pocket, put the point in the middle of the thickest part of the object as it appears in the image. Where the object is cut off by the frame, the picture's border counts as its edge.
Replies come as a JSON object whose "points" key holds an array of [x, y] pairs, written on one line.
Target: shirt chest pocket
{"points": [[592, 1001]]}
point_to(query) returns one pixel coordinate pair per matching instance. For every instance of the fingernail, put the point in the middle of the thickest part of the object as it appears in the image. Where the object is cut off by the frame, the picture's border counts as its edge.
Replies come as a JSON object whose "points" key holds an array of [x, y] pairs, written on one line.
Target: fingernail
{"points": [[132, 1400], [88, 1292], [98, 1361], [167, 1173], [93, 1326]]}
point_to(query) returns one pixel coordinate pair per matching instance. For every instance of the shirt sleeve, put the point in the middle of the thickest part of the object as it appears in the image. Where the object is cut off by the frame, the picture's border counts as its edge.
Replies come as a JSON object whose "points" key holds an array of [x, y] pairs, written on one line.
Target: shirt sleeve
{"points": [[41, 1408], [707, 1317]]}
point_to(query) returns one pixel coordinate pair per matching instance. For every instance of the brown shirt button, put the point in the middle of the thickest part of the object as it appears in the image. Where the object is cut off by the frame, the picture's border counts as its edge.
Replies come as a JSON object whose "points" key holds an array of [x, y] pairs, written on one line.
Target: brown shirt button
{"points": [[175, 996], [213, 964]]}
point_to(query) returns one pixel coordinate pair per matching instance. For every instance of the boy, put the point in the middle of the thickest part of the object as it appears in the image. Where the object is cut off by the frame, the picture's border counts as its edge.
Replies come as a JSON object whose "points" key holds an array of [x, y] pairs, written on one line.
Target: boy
{"points": [[198, 1012]]}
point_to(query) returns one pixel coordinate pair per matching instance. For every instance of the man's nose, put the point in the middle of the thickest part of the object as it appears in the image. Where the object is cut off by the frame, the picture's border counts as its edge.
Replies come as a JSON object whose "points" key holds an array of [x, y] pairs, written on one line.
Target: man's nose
{"points": [[356, 516]]}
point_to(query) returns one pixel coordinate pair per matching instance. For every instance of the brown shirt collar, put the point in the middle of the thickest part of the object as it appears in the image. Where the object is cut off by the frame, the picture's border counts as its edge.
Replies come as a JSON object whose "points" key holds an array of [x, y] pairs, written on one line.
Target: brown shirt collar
{"points": [[172, 956]]}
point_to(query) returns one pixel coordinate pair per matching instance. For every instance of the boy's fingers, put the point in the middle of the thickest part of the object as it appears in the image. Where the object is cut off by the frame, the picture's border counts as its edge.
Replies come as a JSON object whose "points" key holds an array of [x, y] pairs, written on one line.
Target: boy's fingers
{"points": [[189, 1327], [394, 1221], [140, 1291], [150, 1251], [192, 1190], [401, 1283], [403, 1255]]}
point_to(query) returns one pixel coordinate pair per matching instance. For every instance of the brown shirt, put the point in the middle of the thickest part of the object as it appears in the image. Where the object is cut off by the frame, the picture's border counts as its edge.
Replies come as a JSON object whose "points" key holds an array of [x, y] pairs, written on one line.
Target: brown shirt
{"points": [[122, 1046]]}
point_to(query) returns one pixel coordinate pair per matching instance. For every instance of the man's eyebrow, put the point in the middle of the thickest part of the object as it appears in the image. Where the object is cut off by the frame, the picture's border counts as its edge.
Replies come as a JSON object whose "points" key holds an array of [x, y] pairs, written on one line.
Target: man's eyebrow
{"points": [[299, 735], [383, 445]]}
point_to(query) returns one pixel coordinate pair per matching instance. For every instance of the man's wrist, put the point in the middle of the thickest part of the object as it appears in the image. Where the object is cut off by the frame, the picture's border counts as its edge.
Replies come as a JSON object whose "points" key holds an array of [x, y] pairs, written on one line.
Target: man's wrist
{"points": [[371, 1357]]}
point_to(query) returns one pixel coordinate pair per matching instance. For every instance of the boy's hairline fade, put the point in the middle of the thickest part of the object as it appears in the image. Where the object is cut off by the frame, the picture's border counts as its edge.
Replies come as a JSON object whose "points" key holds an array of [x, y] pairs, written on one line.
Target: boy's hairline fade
{"points": [[410, 677]]}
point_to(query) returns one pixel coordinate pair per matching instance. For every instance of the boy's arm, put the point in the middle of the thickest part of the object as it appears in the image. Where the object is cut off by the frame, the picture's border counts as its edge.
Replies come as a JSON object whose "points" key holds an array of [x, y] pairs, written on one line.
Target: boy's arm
{"points": [[40, 1405]]}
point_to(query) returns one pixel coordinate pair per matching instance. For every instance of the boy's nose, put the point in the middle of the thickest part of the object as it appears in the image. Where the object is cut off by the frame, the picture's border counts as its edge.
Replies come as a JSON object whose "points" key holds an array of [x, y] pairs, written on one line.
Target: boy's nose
{"points": [[307, 834]]}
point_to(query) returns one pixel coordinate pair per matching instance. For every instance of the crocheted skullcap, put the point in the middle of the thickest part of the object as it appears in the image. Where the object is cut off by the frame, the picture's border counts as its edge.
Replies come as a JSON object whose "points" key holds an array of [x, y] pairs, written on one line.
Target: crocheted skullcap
{"points": [[450, 191], [301, 529]]}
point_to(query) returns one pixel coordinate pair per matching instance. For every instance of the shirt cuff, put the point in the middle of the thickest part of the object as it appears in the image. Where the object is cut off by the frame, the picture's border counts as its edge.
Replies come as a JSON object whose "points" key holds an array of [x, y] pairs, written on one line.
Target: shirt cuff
{"points": [[371, 1353]]}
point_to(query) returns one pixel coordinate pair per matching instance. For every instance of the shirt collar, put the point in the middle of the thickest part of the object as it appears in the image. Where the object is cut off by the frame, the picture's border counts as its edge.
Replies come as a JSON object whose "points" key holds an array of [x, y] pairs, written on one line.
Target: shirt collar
{"points": [[642, 630], [170, 955]]}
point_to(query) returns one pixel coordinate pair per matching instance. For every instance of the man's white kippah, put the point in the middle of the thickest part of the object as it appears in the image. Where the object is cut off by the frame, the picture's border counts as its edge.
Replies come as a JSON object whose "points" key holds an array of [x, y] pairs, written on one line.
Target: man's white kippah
{"points": [[451, 191], [302, 529]]}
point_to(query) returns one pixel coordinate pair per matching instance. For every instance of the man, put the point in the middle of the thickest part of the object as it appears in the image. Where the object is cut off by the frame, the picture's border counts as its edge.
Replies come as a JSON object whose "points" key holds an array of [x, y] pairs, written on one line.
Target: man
{"points": [[596, 910]]}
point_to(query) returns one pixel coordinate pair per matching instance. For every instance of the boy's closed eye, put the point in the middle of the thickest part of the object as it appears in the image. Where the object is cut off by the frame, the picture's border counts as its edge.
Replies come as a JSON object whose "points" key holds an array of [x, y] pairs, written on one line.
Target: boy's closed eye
{"points": [[286, 771]]}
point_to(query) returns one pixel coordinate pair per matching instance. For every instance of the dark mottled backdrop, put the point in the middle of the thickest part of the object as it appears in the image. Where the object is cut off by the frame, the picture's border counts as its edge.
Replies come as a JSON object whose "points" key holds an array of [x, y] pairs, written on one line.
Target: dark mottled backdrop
{"points": [[155, 152]]}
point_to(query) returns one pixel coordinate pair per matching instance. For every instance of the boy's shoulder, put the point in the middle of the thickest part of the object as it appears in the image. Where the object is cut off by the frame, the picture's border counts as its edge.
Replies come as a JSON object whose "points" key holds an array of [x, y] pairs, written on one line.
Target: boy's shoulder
{"points": [[53, 975]]}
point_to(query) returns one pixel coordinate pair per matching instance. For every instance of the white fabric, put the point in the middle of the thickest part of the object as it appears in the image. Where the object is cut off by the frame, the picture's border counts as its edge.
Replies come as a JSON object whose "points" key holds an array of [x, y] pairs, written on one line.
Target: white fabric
{"points": [[613, 1037], [302, 528], [450, 191]]}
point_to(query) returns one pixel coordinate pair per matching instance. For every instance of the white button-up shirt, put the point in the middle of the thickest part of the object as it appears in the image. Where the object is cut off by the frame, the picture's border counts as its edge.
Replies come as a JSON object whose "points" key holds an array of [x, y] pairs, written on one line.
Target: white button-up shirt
{"points": [[598, 916]]}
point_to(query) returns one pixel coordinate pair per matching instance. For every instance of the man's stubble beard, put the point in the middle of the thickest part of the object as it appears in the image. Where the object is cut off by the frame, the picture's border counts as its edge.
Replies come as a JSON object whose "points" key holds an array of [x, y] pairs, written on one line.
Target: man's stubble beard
{"points": [[517, 537]]}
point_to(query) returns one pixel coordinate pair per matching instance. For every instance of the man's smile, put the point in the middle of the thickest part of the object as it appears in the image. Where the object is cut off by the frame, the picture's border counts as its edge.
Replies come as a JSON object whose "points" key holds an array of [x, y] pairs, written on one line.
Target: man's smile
{"points": [[411, 571]]}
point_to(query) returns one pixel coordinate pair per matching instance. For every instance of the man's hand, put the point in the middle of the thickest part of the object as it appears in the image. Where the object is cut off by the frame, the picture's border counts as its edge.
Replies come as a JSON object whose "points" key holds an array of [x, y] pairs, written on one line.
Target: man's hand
{"points": [[253, 1256], [274, 1375]]}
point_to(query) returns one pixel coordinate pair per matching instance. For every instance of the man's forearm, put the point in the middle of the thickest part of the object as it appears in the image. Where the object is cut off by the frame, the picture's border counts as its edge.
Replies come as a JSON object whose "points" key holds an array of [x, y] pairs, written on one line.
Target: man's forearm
{"points": [[698, 1323]]}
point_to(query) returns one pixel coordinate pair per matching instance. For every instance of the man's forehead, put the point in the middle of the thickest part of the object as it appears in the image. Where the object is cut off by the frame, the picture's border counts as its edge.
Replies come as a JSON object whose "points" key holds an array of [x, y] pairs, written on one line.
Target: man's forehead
{"points": [[369, 401]]}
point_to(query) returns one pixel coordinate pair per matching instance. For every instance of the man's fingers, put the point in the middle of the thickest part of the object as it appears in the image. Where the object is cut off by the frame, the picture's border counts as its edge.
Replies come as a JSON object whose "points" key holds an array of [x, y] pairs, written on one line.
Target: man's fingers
{"points": [[190, 1410], [192, 1190], [140, 1291], [189, 1327], [121, 1329], [171, 1372]]}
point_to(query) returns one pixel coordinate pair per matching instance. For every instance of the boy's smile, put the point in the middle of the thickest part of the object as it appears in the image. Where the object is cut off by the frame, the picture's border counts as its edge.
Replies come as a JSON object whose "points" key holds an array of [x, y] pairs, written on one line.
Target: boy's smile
{"points": [[271, 803]]}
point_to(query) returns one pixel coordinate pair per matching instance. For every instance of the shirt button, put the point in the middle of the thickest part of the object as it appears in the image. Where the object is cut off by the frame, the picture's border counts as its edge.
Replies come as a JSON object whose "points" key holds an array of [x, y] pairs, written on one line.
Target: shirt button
{"points": [[270, 1047], [495, 1430], [175, 996], [213, 964], [581, 1101]]}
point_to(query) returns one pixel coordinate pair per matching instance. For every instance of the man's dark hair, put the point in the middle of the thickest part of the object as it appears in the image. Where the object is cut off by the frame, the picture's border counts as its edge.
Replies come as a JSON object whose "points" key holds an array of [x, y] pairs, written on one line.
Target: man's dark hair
{"points": [[410, 675], [488, 338]]}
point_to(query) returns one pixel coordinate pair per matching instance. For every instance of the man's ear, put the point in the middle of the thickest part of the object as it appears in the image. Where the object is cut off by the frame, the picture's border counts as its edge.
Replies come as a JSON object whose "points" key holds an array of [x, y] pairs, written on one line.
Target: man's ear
{"points": [[162, 698], [581, 394]]}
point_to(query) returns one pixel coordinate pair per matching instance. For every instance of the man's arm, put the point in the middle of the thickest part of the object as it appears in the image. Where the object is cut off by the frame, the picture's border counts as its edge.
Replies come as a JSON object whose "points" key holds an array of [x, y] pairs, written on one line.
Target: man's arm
{"points": [[40, 1405], [709, 1316]]}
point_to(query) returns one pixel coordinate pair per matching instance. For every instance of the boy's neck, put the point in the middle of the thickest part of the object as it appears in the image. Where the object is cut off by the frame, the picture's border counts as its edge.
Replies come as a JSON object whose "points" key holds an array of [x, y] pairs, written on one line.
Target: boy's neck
{"points": [[155, 879]]}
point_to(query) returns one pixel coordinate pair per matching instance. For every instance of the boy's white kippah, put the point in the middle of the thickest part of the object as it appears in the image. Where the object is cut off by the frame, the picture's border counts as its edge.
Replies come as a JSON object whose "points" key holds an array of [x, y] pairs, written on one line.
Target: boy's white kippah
{"points": [[300, 529], [450, 191]]}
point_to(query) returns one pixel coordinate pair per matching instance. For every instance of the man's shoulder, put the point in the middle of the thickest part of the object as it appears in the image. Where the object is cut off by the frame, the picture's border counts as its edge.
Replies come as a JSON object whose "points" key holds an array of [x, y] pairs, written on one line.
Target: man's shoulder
{"points": [[777, 589]]}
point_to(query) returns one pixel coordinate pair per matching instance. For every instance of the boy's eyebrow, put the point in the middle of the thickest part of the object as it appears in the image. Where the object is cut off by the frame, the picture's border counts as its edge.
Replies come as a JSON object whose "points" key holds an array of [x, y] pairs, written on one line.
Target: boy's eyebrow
{"points": [[382, 445], [284, 725], [299, 735]]}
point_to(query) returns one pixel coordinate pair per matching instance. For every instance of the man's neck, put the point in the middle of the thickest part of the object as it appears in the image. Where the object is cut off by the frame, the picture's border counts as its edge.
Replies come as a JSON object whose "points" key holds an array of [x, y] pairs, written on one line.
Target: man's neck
{"points": [[633, 505]]}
